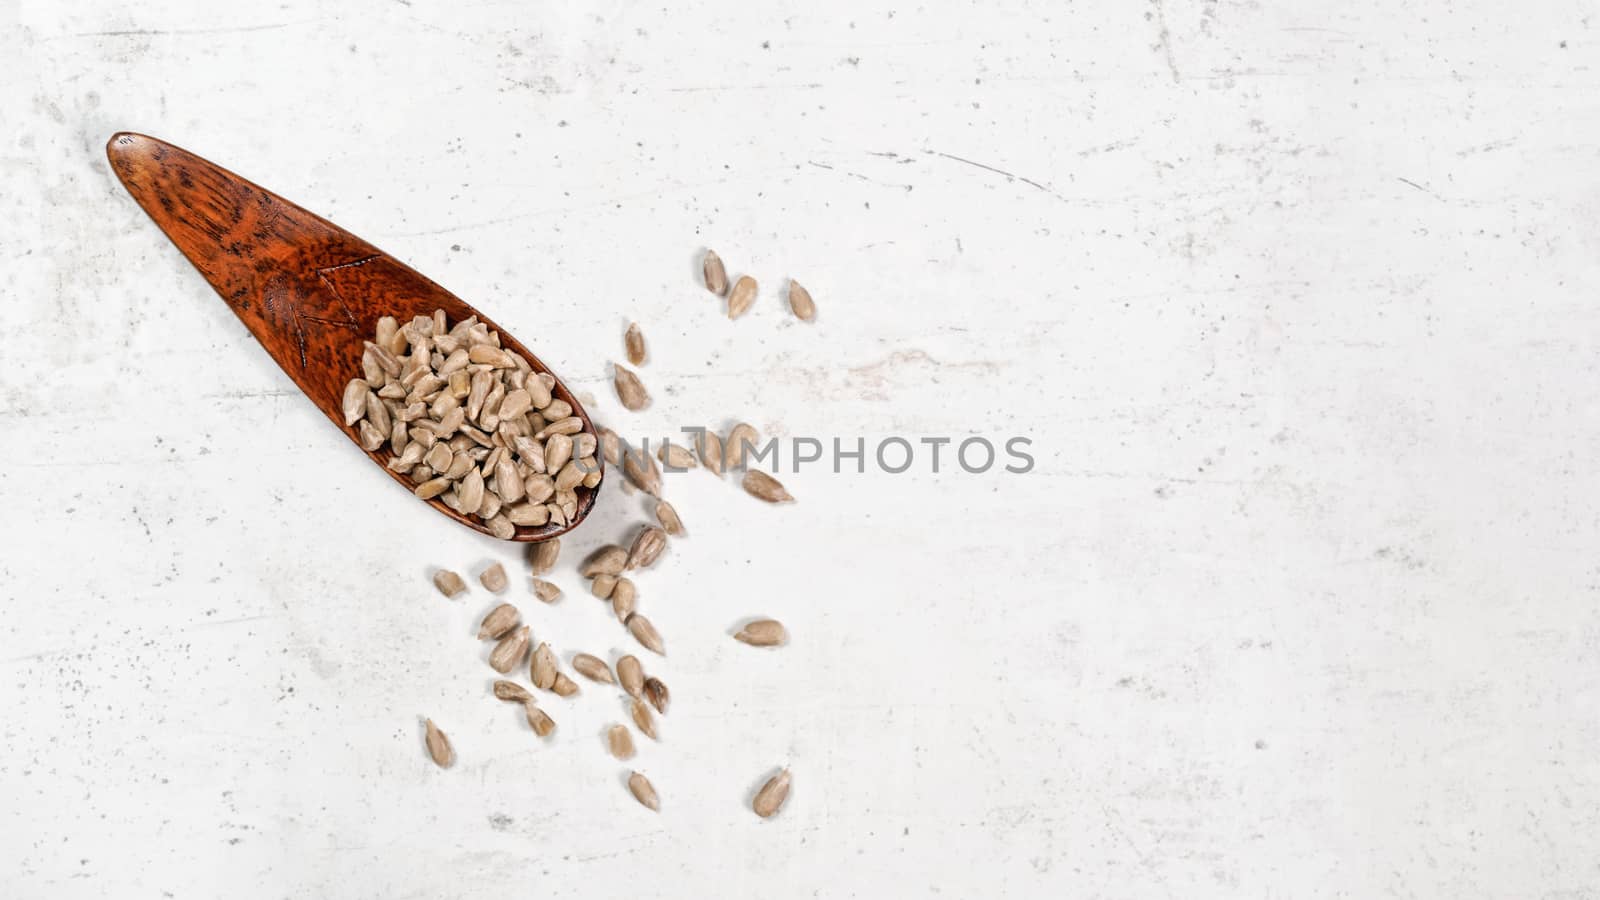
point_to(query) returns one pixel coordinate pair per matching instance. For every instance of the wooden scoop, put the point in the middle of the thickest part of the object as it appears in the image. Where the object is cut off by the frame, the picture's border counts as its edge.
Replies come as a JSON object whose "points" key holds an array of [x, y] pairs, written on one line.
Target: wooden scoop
{"points": [[308, 290]]}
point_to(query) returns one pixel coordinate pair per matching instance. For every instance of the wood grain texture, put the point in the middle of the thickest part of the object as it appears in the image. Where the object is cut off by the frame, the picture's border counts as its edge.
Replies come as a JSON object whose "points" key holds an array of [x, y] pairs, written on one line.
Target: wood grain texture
{"points": [[309, 291]]}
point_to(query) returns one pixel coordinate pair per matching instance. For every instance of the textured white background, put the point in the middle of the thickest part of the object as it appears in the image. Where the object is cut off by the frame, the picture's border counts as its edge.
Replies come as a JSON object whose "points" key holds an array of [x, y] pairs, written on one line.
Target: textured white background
{"points": [[1297, 301]]}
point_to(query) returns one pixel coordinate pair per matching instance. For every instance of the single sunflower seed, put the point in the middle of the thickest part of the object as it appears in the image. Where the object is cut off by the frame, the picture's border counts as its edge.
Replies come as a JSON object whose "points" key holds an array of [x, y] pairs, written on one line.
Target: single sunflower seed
{"points": [[645, 633], [762, 486], [634, 341], [763, 633], [542, 557], [642, 718], [448, 583], [543, 670], [742, 297], [647, 547], [710, 450], [493, 578], [642, 471], [354, 403], [539, 720], [512, 692], [644, 792], [593, 668], [631, 675], [800, 301], [668, 517], [439, 746], [630, 390], [716, 275], [655, 690], [499, 621], [546, 591], [564, 686], [770, 798], [623, 597], [619, 741], [607, 560], [603, 585], [509, 651], [741, 438], [675, 457]]}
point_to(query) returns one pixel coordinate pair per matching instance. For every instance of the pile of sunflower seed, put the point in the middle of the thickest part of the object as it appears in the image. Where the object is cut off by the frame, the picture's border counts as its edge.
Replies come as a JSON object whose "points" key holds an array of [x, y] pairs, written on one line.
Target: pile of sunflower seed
{"points": [[471, 423]]}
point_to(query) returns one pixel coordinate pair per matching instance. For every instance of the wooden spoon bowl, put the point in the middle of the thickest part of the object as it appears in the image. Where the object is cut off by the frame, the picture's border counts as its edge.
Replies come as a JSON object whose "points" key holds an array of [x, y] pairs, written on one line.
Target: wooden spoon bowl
{"points": [[309, 291]]}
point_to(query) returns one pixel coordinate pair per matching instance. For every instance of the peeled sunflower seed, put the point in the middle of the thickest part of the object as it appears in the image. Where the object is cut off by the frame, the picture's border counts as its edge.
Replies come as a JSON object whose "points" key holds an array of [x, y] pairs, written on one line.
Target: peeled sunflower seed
{"points": [[763, 633], [741, 438], [741, 297], [439, 746], [543, 671], [607, 560], [448, 583], [545, 590], [668, 517], [647, 547], [715, 274], [641, 470], [630, 390], [511, 691], [564, 686], [644, 791], [509, 651], [772, 794], [493, 578], [645, 633], [800, 301], [499, 621], [642, 718], [631, 674], [655, 690], [354, 403], [675, 457], [542, 557], [538, 720], [762, 486], [593, 668], [610, 447], [710, 450], [634, 341], [603, 585], [619, 741], [623, 596]]}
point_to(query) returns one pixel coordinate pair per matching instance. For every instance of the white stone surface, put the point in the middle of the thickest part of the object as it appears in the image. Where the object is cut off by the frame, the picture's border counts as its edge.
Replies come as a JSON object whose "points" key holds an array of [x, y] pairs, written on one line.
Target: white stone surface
{"points": [[1297, 302]]}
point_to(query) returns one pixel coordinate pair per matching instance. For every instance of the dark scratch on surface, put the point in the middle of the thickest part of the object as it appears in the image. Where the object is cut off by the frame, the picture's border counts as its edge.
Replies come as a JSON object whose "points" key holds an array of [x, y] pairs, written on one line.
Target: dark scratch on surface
{"points": [[1419, 187], [1028, 181], [1164, 39]]}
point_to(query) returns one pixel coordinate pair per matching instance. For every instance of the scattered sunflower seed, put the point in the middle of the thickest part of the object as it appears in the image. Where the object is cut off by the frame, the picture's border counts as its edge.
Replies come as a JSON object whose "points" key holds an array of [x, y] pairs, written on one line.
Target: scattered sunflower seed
{"points": [[763, 633], [800, 301], [645, 633], [631, 675], [603, 585], [542, 557], [741, 439], [439, 746], [448, 583], [511, 691], [716, 275], [644, 791], [675, 457], [630, 390], [619, 741], [608, 560], [493, 578], [623, 597], [593, 668], [564, 686], [500, 620], [538, 720], [655, 690], [772, 794], [647, 548], [668, 517], [710, 450], [509, 651], [543, 670], [762, 486], [741, 297], [642, 718], [545, 590], [634, 341], [642, 471]]}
